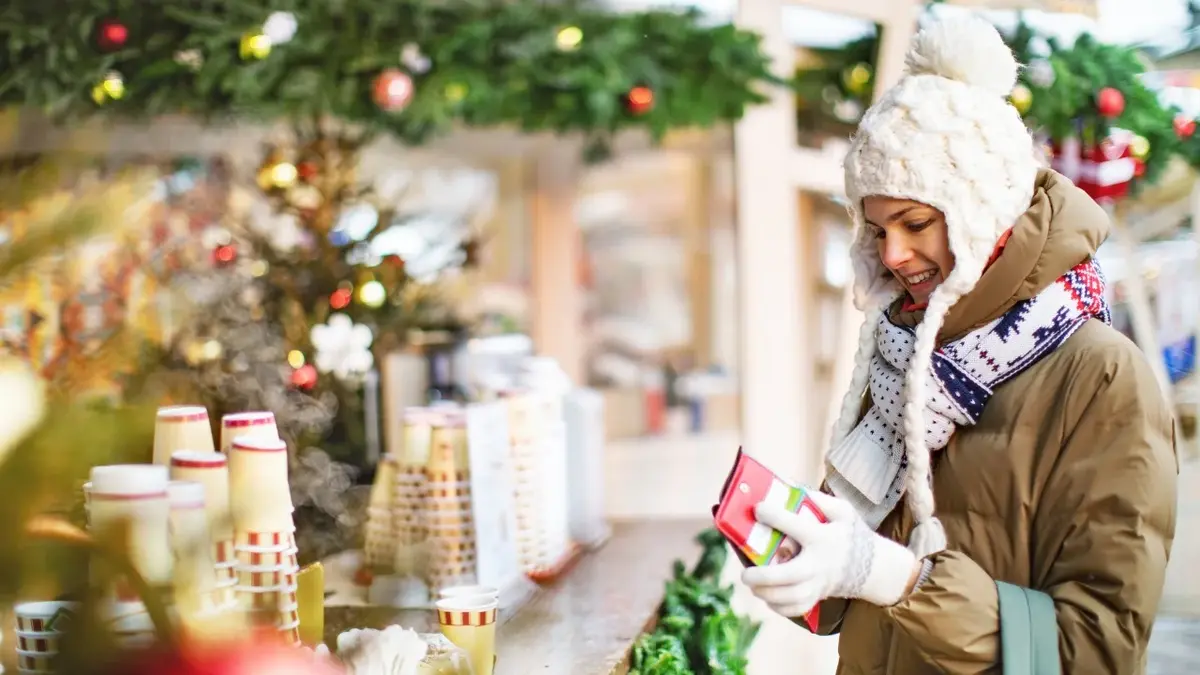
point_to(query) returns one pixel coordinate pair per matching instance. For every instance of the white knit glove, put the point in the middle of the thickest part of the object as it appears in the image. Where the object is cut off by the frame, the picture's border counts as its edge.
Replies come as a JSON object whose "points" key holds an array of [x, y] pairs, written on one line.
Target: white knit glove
{"points": [[842, 558]]}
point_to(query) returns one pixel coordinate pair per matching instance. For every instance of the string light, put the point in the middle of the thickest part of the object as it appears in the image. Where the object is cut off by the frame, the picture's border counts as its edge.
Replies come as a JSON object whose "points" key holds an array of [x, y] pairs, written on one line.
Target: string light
{"points": [[569, 38]]}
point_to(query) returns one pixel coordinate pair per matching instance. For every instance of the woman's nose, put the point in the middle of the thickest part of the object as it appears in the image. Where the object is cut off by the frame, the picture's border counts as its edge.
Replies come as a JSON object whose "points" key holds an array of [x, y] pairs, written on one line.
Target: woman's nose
{"points": [[895, 251]]}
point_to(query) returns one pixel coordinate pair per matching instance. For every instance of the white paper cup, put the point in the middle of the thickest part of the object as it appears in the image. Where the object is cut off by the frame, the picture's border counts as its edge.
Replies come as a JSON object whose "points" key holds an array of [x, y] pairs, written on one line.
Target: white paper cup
{"points": [[182, 427], [259, 496], [40, 643], [259, 599], [45, 616], [136, 495], [258, 424], [35, 662], [267, 578], [211, 470], [268, 541], [474, 593]]}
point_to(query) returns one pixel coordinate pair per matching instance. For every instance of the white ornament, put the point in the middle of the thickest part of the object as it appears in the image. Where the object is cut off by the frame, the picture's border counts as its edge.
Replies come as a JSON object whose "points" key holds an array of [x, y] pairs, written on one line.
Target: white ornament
{"points": [[848, 110], [343, 347], [1041, 73], [414, 60], [191, 58], [280, 27]]}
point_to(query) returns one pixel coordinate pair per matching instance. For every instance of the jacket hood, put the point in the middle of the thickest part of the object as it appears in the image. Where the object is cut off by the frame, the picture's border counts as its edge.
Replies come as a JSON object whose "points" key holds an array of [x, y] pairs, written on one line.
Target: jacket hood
{"points": [[1062, 227]]}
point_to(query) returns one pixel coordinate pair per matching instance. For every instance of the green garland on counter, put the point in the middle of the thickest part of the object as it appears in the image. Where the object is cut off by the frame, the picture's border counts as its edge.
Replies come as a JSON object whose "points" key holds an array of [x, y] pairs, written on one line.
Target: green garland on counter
{"points": [[697, 633], [411, 68]]}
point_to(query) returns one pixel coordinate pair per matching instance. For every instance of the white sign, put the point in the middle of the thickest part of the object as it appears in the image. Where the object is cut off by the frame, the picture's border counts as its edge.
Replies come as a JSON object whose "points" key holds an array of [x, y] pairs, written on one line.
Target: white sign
{"points": [[492, 495]]}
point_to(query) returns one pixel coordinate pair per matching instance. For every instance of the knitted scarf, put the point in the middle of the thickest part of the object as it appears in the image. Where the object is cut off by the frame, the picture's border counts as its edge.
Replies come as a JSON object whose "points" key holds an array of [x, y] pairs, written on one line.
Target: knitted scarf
{"points": [[868, 466]]}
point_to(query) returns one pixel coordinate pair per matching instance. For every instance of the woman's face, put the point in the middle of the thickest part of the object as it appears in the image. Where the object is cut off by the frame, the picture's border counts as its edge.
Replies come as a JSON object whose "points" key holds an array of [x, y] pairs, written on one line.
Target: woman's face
{"points": [[912, 243]]}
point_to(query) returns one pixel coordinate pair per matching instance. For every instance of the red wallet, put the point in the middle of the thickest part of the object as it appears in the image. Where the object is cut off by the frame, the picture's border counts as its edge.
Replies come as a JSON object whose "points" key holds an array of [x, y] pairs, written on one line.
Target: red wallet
{"points": [[749, 483]]}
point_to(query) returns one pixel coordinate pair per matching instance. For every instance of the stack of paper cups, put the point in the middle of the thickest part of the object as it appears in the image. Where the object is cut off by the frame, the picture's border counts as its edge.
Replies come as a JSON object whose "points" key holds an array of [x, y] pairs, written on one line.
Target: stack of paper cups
{"points": [[447, 505], [191, 543], [528, 465], [265, 540], [40, 625], [133, 496], [183, 427], [408, 496], [210, 470], [379, 544], [248, 424]]}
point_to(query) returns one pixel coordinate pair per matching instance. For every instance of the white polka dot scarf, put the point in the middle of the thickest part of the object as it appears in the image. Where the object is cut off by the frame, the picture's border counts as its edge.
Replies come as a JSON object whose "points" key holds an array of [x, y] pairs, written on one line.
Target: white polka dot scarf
{"points": [[868, 466]]}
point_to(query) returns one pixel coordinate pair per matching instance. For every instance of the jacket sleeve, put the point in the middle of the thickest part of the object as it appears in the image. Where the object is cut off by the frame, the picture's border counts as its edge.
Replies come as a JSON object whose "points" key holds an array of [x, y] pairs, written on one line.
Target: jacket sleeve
{"points": [[1101, 535]]}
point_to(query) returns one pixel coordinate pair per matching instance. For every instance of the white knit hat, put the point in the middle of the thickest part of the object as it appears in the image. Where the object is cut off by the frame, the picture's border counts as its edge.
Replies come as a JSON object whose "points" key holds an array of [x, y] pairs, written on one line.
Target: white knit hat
{"points": [[945, 136]]}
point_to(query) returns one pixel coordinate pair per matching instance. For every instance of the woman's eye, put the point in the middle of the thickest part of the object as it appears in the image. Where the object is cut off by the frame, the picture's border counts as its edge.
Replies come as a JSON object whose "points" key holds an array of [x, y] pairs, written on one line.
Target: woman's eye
{"points": [[878, 232], [917, 227]]}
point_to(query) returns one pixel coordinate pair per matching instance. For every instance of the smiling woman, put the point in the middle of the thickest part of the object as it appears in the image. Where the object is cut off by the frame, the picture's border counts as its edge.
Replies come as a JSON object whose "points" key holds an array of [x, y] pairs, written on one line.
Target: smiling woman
{"points": [[913, 243]]}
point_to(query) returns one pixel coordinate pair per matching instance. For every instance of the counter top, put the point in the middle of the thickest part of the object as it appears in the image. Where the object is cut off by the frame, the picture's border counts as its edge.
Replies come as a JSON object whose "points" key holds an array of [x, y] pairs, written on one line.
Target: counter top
{"points": [[585, 622]]}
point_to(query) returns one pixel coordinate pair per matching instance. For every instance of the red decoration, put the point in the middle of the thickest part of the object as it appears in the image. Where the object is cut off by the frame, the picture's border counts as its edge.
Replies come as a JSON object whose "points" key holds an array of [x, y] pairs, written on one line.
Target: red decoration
{"points": [[1184, 127], [262, 653], [1104, 170], [112, 35], [307, 171], [393, 90], [304, 377], [340, 299], [1110, 102], [641, 100], [393, 260], [224, 255]]}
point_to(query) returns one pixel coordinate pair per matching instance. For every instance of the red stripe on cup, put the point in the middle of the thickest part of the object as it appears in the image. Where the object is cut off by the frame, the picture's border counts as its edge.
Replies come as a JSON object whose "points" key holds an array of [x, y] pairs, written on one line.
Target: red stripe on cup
{"points": [[195, 464], [236, 420], [182, 414]]}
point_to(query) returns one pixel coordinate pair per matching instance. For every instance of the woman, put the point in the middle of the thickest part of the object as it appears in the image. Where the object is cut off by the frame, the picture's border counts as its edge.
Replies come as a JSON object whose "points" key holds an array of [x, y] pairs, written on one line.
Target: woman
{"points": [[992, 380]]}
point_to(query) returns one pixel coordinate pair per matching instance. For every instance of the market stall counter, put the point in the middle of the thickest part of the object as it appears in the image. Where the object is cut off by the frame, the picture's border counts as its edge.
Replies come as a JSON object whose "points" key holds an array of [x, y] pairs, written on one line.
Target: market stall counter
{"points": [[584, 623]]}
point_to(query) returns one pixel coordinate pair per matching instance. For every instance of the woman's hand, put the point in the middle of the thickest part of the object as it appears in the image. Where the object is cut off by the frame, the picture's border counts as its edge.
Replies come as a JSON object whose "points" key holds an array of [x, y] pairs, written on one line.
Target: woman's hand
{"points": [[842, 558]]}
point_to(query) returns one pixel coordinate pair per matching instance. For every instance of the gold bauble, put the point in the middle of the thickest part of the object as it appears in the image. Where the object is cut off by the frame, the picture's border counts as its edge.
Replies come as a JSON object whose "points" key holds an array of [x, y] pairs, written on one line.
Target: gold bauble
{"points": [[455, 92], [111, 88], [1021, 98], [283, 175], [569, 38], [254, 46], [1139, 147], [857, 77]]}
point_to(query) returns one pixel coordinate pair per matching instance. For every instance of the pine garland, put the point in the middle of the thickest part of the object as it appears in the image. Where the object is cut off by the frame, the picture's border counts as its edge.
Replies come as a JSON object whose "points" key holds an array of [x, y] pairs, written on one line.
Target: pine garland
{"points": [[1065, 86], [481, 63], [1057, 94]]}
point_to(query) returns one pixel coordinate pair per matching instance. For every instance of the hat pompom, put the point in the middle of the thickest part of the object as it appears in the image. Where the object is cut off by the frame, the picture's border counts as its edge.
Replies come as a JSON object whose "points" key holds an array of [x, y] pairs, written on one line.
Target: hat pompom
{"points": [[966, 49]]}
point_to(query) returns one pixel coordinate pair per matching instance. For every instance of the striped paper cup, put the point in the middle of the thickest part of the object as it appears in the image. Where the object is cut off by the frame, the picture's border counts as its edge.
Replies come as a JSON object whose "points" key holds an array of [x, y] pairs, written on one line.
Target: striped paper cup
{"points": [[41, 643], [45, 616]]}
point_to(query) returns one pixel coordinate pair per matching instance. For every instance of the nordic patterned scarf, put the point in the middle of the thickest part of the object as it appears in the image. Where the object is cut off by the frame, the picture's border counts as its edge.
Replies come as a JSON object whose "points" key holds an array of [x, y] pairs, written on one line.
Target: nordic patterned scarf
{"points": [[868, 467]]}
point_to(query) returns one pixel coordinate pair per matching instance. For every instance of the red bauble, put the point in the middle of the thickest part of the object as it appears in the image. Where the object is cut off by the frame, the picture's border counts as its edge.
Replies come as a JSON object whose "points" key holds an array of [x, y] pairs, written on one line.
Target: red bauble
{"points": [[224, 255], [640, 99], [1184, 127], [1110, 102], [393, 90], [340, 299], [304, 377], [112, 35], [306, 171]]}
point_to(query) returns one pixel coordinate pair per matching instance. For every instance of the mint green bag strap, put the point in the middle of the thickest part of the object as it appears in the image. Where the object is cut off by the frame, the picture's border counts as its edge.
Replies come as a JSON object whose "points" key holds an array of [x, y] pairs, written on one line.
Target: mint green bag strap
{"points": [[1028, 631]]}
